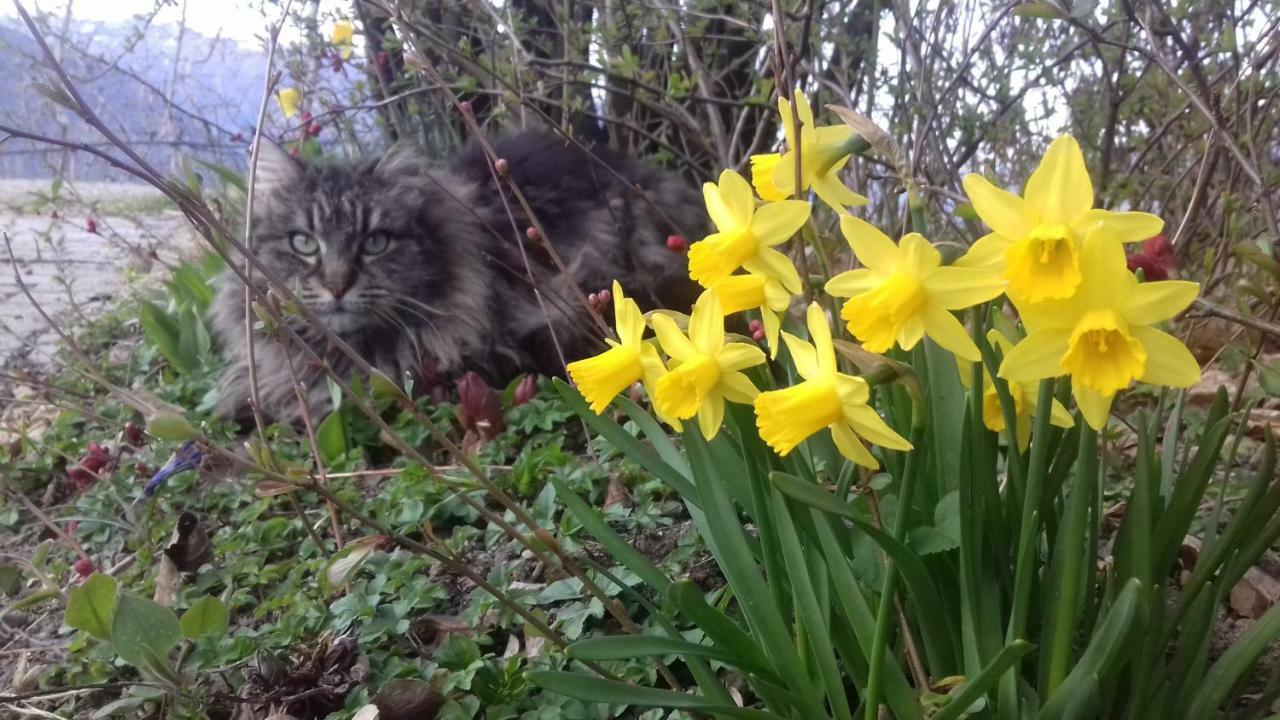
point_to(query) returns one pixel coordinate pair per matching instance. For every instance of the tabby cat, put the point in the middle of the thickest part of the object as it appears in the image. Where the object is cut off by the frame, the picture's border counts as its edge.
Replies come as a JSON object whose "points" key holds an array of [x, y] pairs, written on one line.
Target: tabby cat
{"points": [[420, 269]]}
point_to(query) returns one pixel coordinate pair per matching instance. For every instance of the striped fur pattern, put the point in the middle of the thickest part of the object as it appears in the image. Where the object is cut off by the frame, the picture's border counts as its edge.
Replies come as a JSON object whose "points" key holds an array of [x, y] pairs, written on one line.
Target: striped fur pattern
{"points": [[420, 269]]}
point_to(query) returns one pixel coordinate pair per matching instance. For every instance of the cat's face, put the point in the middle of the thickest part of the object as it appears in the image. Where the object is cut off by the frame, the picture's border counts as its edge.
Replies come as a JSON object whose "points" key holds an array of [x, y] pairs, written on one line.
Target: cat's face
{"points": [[359, 244]]}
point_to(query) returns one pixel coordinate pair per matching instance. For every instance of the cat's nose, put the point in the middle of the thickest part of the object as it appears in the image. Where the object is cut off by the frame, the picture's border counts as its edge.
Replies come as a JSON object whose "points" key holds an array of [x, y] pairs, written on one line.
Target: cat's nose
{"points": [[337, 287]]}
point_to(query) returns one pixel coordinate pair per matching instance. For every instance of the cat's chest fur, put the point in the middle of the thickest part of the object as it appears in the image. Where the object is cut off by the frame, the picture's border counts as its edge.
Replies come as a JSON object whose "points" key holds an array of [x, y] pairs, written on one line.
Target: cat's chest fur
{"points": [[463, 285]]}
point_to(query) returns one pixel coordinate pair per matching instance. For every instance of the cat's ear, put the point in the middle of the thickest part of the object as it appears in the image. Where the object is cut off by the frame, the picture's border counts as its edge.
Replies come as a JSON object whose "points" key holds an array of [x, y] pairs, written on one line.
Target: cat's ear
{"points": [[275, 166], [403, 159]]}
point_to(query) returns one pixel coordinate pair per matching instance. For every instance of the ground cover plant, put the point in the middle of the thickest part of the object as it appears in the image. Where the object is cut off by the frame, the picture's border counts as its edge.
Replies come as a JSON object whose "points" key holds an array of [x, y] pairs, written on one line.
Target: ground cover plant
{"points": [[940, 439]]}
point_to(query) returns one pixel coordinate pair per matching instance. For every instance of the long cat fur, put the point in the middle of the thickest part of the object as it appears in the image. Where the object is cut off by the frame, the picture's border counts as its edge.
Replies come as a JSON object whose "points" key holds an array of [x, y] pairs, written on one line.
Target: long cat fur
{"points": [[463, 299]]}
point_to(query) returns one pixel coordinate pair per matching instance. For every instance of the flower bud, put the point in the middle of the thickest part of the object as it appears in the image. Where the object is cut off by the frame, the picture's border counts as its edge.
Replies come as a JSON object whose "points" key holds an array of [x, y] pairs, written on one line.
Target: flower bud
{"points": [[676, 243], [91, 225], [503, 168], [84, 567], [134, 435], [525, 391]]}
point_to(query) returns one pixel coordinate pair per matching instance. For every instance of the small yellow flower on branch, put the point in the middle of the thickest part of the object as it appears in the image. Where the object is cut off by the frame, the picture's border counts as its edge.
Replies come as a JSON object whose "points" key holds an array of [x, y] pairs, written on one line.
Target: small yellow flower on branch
{"points": [[826, 399], [289, 98], [904, 292], [824, 151], [704, 369], [1103, 336], [341, 37], [746, 234], [755, 292], [629, 359], [1037, 238]]}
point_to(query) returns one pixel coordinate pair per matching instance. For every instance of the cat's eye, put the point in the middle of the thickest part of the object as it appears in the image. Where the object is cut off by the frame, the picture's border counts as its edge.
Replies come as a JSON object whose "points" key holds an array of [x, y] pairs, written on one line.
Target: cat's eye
{"points": [[304, 244], [376, 244]]}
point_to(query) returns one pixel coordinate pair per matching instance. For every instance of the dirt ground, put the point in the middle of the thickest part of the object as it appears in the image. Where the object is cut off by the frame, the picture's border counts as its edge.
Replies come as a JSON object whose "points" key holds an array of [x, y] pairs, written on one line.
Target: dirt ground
{"points": [[76, 253]]}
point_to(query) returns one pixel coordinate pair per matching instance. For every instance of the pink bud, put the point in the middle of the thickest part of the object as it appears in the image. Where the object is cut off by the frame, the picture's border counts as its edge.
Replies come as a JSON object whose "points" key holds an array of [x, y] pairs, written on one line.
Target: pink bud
{"points": [[134, 435], [383, 60], [479, 407], [502, 167], [634, 393], [72, 527], [525, 391], [84, 567], [758, 336], [91, 225], [605, 297], [755, 326], [676, 243], [464, 107], [531, 232], [336, 63]]}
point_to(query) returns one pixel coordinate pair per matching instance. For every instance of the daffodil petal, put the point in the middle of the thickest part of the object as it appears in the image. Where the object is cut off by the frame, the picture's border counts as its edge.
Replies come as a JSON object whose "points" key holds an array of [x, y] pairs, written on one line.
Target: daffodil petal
{"points": [[803, 356], [943, 328], [627, 319], [772, 325], [1002, 211], [735, 193], [1060, 416], [706, 323], [873, 248], [775, 223], [831, 135], [1125, 227], [835, 193], [852, 282], [1169, 362], [1037, 356], [738, 388], [1104, 270], [1060, 188], [674, 343], [820, 334], [1152, 302], [737, 356], [851, 447], [1094, 406], [711, 416], [911, 332], [956, 288], [987, 253], [853, 391], [918, 254], [762, 169], [721, 215], [867, 422], [774, 264]]}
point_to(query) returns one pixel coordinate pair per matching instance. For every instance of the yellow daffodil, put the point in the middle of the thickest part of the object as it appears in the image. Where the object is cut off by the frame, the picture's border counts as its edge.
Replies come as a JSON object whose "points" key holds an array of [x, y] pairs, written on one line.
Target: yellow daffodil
{"points": [[755, 292], [826, 398], [904, 292], [1024, 403], [289, 98], [746, 234], [703, 369], [341, 37], [1037, 238], [627, 360], [1103, 336], [824, 151]]}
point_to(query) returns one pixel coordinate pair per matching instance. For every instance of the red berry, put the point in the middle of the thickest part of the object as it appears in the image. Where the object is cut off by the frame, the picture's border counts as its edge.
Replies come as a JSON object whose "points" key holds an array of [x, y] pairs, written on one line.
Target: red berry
{"points": [[134, 435], [676, 243], [84, 567]]}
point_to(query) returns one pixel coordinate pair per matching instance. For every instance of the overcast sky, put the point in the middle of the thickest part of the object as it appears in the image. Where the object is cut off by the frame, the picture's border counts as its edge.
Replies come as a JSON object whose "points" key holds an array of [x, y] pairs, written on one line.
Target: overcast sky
{"points": [[240, 20]]}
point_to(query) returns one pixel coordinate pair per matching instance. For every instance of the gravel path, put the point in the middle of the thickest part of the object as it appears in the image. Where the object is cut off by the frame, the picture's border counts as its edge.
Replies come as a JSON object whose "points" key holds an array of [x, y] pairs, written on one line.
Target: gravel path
{"points": [[77, 253]]}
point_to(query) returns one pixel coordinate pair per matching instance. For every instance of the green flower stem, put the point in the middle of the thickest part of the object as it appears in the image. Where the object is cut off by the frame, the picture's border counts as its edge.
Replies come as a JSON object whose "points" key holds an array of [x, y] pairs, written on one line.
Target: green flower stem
{"points": [[1028, 541], [1063, 601], [884, 613]]}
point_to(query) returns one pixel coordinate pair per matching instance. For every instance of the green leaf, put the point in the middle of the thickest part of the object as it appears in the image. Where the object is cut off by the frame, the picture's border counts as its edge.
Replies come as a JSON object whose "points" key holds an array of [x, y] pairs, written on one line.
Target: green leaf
{"points": [[628, 445], [619, 549], [1234, 663], [344, 563], [626, 647], [963, 697], [91, 607], [724, 632], [331, 437], [1110, 639], [612, 692], [141, 623], [1269, 376], [170, 426], [163, 332], [227, 175], [193, 339], [208, 616], [1042, 9]]}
